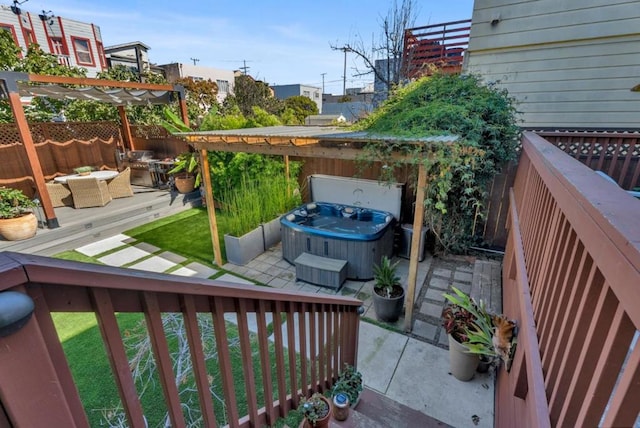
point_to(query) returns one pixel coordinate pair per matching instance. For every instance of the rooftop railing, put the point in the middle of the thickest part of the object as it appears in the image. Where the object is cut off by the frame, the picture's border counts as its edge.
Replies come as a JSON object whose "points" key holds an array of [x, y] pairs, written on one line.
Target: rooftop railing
{"points": [[440, 46]]}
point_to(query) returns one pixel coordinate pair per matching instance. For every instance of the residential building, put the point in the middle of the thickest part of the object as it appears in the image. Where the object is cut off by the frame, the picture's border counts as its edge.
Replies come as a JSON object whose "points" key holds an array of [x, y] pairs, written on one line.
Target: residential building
{"points": [[314, 93], [569, 64], [223, 78], [75, 43], [133, 55]]}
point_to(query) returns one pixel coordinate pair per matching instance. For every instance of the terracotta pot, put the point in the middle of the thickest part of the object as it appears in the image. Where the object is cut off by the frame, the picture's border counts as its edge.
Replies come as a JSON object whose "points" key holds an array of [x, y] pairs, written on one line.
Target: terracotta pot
{"points": [[462, 364], [185, 184], [320, 423], [16, 229]]}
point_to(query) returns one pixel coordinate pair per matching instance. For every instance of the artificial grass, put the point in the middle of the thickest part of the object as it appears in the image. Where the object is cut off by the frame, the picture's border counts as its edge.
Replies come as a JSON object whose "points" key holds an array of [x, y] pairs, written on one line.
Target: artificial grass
{"points": [[82, 343], [186, 233]]}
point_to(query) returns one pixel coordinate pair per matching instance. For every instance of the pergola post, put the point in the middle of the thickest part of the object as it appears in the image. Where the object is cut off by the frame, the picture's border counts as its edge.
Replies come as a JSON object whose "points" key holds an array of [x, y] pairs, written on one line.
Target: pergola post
{"points": [[126, 129], [418, 220], [32, 154], [211, 209], [182, 104], [286, 173]]}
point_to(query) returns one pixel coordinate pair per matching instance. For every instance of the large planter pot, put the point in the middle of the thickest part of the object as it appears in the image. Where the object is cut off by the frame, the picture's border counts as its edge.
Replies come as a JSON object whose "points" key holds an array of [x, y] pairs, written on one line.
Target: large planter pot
{"points": [[16, 229], [241, 250], [272, 233], [388, 309], [462, 364], [185, 183]]}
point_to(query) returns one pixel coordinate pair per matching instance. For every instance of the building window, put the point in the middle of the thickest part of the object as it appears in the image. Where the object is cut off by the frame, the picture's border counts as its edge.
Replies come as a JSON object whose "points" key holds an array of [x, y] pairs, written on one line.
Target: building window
{"points": [[100, 49], [82, 48], [223, 86], [57, 46], [316, 95], [28, 37], [306, 94], [9, 29]]}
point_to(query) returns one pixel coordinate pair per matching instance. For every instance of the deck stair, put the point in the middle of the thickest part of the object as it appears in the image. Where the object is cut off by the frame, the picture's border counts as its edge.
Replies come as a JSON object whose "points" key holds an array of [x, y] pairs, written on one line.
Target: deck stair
{"points": [[320, 270], [376, 410]]}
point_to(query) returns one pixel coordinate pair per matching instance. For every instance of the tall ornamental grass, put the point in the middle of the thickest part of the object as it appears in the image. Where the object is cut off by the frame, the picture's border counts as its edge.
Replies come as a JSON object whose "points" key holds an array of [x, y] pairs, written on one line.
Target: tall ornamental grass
{"points": [[257, 201]]}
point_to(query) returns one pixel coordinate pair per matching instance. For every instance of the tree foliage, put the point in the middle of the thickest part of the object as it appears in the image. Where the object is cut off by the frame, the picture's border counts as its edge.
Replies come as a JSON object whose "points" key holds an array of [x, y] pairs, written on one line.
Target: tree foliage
{"points": [[484, 120], [201, 96], [249, 93], [302, 107]]}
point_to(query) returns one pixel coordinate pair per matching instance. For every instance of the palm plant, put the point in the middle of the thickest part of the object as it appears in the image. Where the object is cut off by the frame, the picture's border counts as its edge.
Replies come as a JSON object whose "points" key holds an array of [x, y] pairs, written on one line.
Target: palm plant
{"points": [[385, 277]]}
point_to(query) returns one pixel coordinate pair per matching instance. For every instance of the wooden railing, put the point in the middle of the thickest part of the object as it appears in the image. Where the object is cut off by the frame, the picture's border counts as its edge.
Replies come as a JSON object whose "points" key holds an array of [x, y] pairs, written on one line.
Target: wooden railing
{"points": [[570, 279], [441, 46], [313, 337]]}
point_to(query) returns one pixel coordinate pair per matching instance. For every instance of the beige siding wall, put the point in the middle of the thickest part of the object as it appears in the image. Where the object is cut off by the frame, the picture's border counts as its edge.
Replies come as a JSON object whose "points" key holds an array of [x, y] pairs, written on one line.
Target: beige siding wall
{"points": [[570, 64]]}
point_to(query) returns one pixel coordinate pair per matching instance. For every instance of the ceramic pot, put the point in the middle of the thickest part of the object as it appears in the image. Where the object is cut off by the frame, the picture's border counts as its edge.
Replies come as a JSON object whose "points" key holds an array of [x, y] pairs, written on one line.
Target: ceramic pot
{"points": [[388, 309], [18, 228], [462, 364]]}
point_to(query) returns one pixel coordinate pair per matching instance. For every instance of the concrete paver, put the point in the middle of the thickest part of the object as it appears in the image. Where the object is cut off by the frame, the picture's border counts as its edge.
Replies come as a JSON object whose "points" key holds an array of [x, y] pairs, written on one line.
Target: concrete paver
{"points": [[124, 256], [379, 352], [422, 381], [103, 245], [154, 264], [202, 270]]}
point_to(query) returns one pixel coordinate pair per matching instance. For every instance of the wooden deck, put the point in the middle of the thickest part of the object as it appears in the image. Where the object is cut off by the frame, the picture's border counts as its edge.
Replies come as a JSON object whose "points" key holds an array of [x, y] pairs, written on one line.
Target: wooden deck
{"points": [[83, 226]]}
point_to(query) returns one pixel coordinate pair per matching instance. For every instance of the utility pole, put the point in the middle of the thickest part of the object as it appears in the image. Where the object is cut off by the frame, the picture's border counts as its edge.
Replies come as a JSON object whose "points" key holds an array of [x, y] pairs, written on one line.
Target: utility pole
{"points": [[195, 60], [323, 74], [244, 68], [344, 49]]}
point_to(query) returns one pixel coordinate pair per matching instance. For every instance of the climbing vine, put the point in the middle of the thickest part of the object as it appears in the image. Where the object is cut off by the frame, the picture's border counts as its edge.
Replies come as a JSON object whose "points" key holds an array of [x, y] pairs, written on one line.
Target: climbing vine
{"points": [[480, 122]]}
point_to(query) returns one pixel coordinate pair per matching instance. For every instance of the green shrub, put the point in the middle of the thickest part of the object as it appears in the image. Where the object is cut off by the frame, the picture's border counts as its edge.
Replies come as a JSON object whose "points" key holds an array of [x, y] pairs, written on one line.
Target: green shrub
{"points": [[482, 117]]}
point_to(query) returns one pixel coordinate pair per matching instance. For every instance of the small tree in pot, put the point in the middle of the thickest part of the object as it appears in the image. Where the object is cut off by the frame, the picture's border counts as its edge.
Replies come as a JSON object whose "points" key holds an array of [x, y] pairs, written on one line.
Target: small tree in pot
{"points": [[17, 220], [388, 296]]}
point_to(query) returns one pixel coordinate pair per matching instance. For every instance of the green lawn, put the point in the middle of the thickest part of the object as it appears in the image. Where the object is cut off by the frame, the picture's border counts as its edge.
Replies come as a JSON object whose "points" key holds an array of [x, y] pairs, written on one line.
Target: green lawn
{"points": [[187, 234]]}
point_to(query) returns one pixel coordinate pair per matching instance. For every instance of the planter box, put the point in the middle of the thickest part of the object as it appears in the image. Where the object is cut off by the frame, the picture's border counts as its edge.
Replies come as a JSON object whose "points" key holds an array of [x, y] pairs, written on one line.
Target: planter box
{"points": [[272, 233], [242, 250]]}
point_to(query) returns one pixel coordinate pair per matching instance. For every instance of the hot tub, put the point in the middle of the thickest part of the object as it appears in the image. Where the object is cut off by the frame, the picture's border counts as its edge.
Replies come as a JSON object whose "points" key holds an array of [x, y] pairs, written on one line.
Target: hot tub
{"points": [[360, 236]]}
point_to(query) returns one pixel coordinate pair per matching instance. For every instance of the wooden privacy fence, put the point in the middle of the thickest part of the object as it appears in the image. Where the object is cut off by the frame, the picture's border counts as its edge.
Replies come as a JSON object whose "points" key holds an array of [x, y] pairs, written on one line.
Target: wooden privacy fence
{"points": [[300, 343], [570, 279], [61, 147]]}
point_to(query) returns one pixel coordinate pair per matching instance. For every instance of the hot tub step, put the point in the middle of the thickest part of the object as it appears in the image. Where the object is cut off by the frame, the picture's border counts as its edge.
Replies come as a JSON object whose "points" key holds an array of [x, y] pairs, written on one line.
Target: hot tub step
{"points": [[321, 270]]}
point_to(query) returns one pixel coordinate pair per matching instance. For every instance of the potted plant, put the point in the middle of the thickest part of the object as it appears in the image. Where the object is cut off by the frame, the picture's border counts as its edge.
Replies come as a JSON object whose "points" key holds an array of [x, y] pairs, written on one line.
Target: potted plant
{"points": [[349, 382], [475, 335], [316, 410], [17, 220], [83, 170], [388, 294], [186, 172]]}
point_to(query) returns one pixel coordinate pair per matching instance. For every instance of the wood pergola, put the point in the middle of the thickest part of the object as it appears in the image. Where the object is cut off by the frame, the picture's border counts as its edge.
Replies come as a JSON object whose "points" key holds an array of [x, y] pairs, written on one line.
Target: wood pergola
{"points": [[14, 85], [312, 142]]}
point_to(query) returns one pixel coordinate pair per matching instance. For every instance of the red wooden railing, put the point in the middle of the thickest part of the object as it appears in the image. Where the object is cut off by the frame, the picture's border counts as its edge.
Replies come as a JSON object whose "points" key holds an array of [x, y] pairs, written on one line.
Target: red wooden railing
{"points": [[570, 279], [440, 45], [36, 385]]}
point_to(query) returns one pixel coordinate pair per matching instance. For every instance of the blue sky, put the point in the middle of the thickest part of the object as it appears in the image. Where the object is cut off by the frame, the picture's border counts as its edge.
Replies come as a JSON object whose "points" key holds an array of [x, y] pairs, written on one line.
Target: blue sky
{"points": [[282, 42]]}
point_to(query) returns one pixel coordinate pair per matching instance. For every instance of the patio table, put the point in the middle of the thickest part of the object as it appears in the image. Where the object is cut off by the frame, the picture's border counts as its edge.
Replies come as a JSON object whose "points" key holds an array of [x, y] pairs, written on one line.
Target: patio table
{"points": [[100, 175]]}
